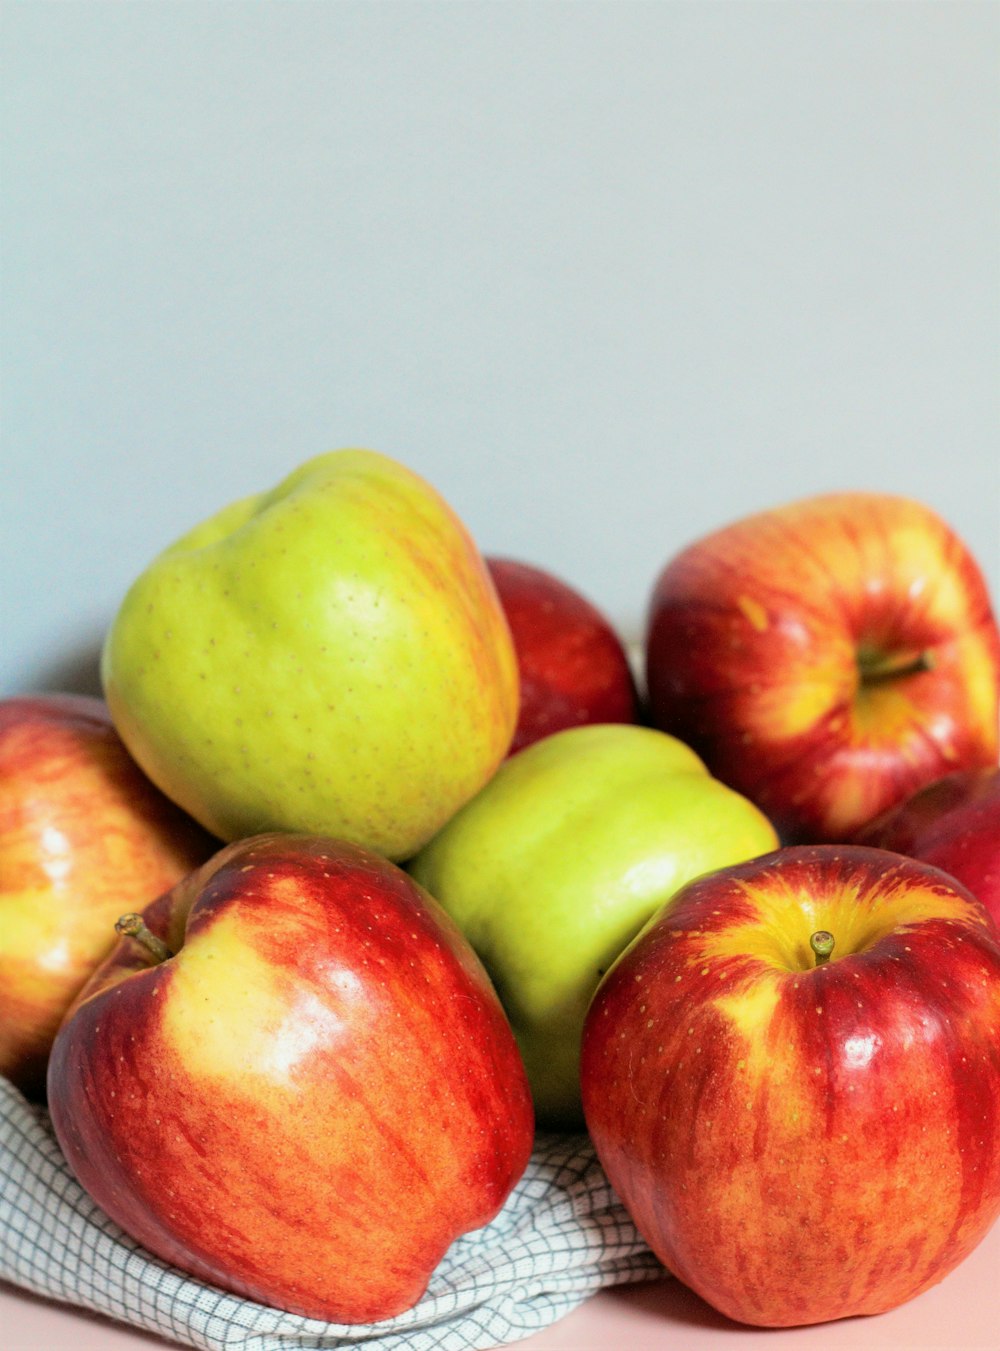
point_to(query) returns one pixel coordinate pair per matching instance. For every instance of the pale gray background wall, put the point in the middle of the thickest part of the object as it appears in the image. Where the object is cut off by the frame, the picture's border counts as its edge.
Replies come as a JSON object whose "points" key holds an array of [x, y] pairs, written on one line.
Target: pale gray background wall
{"points": [[608, 274]]}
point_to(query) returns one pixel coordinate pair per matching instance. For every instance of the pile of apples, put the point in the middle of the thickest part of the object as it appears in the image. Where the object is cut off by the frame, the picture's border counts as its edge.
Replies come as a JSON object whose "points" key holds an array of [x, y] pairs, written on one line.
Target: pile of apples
{"points": [[375, 857]]}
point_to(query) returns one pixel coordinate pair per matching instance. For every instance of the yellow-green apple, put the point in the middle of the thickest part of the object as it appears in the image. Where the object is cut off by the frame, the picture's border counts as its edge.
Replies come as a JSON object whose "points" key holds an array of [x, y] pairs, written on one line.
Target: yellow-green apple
{"points": [[802, 1135], [294, 1080], [328, 657], [573, 667], [557, 863], [953, 823], [827, 658], [84, 835]]}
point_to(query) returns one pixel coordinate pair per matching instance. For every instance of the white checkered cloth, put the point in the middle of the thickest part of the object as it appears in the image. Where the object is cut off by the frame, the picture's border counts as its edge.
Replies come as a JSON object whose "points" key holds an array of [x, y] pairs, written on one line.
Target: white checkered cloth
{"points": [[561, 1236]]}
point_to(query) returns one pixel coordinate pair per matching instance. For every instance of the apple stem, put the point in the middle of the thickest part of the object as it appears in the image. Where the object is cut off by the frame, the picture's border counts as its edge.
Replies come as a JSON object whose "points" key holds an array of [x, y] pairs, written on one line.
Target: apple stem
{"points": [[822, 943], [890, 666], [134, 926]]}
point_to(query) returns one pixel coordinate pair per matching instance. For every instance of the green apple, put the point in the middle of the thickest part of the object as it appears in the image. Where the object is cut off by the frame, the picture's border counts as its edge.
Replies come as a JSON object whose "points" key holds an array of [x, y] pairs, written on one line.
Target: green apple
{"points": [[328, 657], [561, 859]]}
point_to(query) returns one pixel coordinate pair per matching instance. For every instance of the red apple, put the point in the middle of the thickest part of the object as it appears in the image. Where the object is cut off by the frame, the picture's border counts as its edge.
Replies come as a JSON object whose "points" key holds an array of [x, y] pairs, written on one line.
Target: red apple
{"points": [[84, 835], [311, 1098], [827, 658], [801, 1139], [572, 664], [954, 824]]}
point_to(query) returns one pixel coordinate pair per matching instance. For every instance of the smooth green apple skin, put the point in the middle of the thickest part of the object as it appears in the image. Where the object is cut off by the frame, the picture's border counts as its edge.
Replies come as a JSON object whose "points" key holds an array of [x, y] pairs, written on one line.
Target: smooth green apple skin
{"points": [[330, 656], [557, 863]]}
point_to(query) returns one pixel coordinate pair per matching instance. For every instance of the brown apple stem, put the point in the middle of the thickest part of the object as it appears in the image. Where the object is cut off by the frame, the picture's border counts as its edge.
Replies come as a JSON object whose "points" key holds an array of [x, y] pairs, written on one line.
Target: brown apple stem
{"points": [[822, 944], [134, 926]]}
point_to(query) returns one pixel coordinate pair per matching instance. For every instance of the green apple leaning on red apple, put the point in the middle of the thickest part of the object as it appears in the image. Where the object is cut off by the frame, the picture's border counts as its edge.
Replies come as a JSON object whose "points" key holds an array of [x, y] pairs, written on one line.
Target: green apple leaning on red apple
{"points": [[330, 657], [557, 863], [803, 1134], [298, 1085]]}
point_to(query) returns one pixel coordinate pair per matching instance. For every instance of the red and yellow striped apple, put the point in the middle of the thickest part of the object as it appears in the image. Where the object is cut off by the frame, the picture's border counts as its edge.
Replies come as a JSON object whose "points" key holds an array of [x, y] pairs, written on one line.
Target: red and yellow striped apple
{"points": [[84, 835], [295, 1082], [954, 824], [827, 658], [802, 1136], [572, 665]]}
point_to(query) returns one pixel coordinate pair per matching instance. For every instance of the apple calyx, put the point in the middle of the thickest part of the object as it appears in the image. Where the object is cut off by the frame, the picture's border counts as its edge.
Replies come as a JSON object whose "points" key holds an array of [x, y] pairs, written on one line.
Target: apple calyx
{"points": [[875, 667], [822, 943], [134, 926]]}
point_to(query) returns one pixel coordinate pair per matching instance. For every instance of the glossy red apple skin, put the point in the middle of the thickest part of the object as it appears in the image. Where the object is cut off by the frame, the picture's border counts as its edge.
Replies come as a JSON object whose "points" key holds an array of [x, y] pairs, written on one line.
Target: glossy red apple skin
{"points": [[84, 835], [800, 1143], [573, 667], [827, 658], [312, 1098], [953, 824]]}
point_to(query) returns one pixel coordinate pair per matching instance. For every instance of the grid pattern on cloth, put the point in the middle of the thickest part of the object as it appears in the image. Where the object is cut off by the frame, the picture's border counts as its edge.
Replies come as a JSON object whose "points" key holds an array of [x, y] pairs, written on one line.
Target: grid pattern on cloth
{"points": [[561, 1236]]}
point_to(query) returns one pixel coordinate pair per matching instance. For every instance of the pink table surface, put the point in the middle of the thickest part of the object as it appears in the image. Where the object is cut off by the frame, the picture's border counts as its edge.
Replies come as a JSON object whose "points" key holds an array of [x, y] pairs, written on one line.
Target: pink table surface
{"points": [[962, 1313]]}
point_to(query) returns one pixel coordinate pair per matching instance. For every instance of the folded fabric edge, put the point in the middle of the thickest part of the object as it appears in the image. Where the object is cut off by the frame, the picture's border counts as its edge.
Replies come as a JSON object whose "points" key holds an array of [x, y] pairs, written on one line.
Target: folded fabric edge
{"points": [[593, 1249]]}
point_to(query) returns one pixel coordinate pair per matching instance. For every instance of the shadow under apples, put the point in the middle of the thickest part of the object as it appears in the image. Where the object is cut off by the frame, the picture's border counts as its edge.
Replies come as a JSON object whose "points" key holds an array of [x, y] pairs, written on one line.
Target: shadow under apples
{"points": [[77, 671], [670, 1300]]}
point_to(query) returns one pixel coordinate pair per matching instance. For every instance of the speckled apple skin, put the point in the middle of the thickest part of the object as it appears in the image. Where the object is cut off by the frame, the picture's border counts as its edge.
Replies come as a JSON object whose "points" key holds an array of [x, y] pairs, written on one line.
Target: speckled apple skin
{"points": [[84, 836], [801, 1143], [312, 1099], [328, 657], [753, 647]]}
